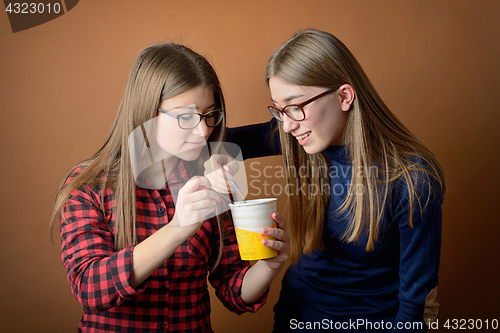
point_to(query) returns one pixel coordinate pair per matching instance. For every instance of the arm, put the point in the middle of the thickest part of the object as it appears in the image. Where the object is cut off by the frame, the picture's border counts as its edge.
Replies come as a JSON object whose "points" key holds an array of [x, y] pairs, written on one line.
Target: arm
{"points": [[243, 288], [256, 140], [420, 255], [193, 205], [101, 278], [251, 141], [258, 278], [98, 276]]}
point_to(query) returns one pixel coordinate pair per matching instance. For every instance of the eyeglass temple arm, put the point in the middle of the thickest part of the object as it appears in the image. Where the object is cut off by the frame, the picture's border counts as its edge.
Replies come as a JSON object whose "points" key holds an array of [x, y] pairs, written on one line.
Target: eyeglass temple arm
{"points": [[168, 113]]}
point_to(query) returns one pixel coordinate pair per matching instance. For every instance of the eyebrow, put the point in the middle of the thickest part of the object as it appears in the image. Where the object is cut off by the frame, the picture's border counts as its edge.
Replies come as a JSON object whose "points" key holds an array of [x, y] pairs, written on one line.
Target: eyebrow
{"points": [[190, 107], [288, 99]]}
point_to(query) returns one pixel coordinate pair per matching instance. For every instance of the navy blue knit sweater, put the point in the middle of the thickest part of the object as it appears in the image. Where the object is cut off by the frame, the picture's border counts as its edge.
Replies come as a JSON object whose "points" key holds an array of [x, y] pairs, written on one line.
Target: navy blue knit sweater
{"points": [[346, 288]]}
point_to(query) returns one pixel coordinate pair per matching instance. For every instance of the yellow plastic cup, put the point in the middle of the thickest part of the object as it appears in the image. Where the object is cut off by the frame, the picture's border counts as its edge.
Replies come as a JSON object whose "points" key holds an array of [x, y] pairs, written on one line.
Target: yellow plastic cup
{"points": [[249, 218]]}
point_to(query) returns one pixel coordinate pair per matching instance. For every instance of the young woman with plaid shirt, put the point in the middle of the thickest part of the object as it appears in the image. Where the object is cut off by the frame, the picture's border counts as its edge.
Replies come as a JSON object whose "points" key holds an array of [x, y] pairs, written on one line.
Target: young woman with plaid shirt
{"points": [[137, 246]]}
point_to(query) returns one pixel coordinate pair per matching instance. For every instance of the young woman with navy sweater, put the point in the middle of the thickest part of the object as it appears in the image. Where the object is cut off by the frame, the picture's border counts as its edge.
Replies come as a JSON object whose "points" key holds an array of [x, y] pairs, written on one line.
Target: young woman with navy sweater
{"points": [[365, 219]]}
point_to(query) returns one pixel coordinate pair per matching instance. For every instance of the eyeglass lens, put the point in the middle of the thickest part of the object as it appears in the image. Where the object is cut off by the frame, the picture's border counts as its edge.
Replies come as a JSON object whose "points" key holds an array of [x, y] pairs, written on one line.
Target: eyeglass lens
{"points": [[293, 111], [191, 120]]}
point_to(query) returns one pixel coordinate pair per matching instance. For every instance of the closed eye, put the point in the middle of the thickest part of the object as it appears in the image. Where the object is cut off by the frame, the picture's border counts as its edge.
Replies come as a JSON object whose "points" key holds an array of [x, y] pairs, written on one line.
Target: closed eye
{"points": [[188, 116]]}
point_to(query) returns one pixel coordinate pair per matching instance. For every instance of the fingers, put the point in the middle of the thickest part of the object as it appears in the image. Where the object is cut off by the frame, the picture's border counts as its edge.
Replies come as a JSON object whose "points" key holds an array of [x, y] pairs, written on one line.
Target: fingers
{"points": [[202, 199], [196, 191], [282, 238], [279, 219], [218, 176], [232, 166], [195, 184], [195, 201], [280, 234], [217, 162], [217, 172], [276, 245], [218, 180]]}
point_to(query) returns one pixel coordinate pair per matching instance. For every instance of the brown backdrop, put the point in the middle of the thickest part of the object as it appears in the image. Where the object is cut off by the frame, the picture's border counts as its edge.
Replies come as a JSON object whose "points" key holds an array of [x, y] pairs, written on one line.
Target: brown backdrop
{"points": [[436, 64]]}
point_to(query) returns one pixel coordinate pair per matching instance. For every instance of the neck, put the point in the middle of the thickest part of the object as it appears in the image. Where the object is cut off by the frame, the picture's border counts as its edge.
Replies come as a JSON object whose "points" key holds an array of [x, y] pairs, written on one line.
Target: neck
{"points": [[157, 174]]}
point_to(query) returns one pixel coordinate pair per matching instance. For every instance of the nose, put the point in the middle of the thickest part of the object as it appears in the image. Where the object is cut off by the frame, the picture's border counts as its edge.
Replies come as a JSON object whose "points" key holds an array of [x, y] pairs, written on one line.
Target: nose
{"points": [[289, 125], [202, 129]]}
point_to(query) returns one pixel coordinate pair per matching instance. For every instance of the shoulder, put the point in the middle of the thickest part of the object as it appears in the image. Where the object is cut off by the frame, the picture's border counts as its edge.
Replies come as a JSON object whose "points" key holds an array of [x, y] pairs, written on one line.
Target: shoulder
{"points": [[74, 173], [419, 179], [86, 188]]}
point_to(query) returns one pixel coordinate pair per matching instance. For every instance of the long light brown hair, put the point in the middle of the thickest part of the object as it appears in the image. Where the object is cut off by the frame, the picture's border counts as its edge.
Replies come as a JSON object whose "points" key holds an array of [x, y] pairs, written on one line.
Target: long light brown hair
{"points": [[160, 71], [374, 138]]}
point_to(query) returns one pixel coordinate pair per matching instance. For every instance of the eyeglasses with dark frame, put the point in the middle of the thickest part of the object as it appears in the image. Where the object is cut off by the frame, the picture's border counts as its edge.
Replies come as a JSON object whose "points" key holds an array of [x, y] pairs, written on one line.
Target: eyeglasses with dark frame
{"points": [[192, 119], [295, 111]]}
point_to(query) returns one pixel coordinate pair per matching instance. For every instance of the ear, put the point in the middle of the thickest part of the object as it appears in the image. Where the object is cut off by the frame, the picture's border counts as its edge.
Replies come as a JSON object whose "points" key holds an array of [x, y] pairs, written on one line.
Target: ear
{"points": [[346, 94]]}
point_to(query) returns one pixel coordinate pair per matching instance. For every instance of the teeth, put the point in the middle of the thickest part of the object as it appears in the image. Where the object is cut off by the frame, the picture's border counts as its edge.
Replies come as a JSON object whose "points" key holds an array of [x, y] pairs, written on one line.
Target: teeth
{"points": [[303, 136]]}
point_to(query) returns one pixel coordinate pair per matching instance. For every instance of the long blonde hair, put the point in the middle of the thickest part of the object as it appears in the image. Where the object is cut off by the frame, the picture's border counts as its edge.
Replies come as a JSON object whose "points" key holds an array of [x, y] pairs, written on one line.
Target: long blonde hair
{"points": [[160, 71], [373, 134]]}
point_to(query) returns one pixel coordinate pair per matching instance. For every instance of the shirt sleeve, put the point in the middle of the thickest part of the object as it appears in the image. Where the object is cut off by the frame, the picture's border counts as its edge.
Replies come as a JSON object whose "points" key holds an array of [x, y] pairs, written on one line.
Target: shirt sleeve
{"points": [[97, 274], [420, 246], [227, 277], [256, 140]]}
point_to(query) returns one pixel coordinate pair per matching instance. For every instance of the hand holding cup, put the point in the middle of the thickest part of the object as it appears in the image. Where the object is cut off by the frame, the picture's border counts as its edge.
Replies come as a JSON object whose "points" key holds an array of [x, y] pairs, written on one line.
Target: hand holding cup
{"points": [[280, 243], [260, 230]]}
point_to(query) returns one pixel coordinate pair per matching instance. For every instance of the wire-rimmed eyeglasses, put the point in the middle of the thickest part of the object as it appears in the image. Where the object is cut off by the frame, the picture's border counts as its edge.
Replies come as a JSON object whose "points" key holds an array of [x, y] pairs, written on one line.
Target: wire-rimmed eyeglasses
{"points": [[192, 119], [295, 111]]}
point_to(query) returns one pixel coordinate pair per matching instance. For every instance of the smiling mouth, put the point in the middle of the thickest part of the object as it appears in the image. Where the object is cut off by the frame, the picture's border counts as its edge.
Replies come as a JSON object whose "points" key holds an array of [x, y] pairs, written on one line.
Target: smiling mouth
{"points": [[303, 136]]}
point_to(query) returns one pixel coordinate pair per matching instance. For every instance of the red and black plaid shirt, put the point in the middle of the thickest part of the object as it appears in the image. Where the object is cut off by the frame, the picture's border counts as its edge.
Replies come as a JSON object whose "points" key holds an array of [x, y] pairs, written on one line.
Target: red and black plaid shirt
{"points": [[175, 297]]}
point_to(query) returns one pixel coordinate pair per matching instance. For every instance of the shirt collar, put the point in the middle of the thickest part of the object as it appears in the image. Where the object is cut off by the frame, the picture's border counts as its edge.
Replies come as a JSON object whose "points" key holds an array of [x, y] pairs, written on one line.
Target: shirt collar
{"points": [[181, 174]]}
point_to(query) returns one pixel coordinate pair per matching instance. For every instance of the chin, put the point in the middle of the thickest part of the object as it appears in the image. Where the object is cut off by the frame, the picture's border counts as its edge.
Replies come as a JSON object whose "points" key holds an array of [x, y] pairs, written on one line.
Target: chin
{"points": [[313, 150], [189, 155]]}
